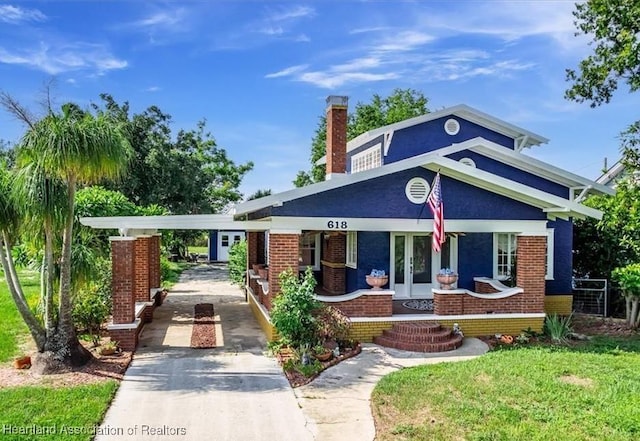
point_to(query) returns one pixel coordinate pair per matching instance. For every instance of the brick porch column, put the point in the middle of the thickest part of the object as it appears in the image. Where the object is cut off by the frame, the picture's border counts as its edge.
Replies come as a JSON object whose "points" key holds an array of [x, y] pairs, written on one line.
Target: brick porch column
{"points": [[125, 325], [142, 268], [333, 265], [154, 262], [284, 254], [530, 270], [252, 248]]}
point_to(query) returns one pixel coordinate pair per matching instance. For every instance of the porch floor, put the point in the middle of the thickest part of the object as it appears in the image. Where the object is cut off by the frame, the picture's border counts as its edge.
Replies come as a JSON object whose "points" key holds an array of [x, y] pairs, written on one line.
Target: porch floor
{"points": [[399, 309]]}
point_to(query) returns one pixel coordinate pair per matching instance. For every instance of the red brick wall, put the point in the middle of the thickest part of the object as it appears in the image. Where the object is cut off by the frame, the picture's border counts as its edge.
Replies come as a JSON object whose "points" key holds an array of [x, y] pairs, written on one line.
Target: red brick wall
{"points": [[252, 248], [284, 252], [154, 261], [484, 288], [336, 139], [127, 338], [142, 268], [123, 279], [530, 270], [447, 304], [367, 306], [261, 248], [334, 251]]}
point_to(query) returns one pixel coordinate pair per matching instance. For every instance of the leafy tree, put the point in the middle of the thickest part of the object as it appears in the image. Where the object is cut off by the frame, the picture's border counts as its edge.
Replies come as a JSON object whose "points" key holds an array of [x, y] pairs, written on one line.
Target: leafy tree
{"points": [[187, 175], [629, 279], [400, 105], [259, 194], [238, 262], [64, 149], [615, 28]]}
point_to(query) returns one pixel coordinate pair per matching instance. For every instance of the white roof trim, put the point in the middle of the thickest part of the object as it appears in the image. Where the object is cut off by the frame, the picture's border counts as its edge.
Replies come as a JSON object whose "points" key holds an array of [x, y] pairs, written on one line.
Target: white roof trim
{"points": [[435, 161], [172, 222], [611, 174], [461, 110], [508, 188], [535, 166]]}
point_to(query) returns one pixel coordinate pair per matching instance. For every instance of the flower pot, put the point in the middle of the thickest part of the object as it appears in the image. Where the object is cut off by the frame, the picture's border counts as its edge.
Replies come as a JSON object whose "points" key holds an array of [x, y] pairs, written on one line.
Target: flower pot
{"points": [[107, 351], [325, 356], [22, 362], [257, 266], [377, 282], [263, 273], [446, 281]]}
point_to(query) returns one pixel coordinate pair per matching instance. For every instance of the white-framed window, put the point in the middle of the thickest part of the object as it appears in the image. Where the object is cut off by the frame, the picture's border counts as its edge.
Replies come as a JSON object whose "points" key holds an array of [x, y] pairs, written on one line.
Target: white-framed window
{"points": [[370, 158], [504, 254], [352, 249], [310, 251]]}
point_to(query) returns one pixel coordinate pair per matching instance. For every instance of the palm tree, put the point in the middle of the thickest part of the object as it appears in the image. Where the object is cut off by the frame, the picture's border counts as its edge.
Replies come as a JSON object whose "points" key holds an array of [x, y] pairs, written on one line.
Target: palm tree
{"points": [[77, 148]]}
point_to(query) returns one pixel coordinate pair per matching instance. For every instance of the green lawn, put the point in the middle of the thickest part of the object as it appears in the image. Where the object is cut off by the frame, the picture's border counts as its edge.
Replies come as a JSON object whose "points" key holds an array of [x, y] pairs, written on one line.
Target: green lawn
{"points": [[70, 413], [13, 331], [530, 393], [199, 250]]}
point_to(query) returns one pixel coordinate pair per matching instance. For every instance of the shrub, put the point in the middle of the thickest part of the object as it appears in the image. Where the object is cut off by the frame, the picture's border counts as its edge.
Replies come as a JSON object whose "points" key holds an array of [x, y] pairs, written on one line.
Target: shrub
{"points": [[292, 311], [333, 324], [92, 304], [628, 277], [558, 327], [238, 262]]}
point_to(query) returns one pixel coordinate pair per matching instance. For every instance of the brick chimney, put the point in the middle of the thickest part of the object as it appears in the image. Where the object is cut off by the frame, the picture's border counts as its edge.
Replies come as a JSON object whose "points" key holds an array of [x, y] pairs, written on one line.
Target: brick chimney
{"points": [[336, 135]]}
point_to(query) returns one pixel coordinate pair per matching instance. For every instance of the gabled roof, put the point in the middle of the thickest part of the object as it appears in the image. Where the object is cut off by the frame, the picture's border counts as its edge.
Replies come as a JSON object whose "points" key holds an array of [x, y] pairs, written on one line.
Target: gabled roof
{"points": [[611, 175], [527, 138], [437, 160]]}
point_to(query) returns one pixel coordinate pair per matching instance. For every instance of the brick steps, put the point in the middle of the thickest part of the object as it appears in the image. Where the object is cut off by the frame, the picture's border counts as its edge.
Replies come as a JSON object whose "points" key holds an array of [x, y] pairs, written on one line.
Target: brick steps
{"points": [[419, 337]]}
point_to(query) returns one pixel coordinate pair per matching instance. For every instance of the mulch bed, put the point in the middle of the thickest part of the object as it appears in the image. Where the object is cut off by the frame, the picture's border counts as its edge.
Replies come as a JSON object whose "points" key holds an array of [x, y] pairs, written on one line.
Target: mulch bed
{"points": [[296, 379], [203, 335], [102, 368]]}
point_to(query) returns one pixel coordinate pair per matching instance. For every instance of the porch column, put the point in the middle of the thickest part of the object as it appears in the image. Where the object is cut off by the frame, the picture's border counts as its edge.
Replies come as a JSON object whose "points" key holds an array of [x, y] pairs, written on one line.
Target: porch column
{"points": [[530, 270], [284, 254], [334, 250], [142, 268], [124, 327], [155, 281], [252, 259]]}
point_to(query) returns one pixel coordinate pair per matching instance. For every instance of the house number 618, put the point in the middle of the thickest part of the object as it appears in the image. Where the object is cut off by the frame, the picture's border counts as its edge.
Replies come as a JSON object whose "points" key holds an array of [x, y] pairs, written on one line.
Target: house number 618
{"points": [[337, 225]]}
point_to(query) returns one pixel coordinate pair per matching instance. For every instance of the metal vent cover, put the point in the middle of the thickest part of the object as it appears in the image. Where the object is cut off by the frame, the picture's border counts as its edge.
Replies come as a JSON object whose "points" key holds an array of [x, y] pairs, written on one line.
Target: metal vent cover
{"points": [[417, 190], [451, 126], [468, 161]]}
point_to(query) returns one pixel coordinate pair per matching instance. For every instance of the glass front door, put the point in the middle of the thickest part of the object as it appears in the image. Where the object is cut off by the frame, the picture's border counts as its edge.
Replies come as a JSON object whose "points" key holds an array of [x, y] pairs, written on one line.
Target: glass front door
{"points": [[415, 264]]}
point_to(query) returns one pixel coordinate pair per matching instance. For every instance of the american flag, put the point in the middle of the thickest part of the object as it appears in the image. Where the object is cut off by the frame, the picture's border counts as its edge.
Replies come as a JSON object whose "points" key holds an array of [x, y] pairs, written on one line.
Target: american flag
{"points": [[437, 208]]}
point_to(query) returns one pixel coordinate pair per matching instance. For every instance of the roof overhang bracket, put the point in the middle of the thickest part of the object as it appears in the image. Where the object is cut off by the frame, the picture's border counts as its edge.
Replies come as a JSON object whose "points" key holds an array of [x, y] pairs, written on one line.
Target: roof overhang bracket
{"points": [[388, 136], [583, 189], [520, 143]]}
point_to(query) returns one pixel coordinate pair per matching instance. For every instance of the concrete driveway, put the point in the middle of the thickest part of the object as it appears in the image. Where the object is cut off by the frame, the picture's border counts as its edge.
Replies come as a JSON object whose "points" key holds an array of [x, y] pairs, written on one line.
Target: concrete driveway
{"points": [[233, 392]]}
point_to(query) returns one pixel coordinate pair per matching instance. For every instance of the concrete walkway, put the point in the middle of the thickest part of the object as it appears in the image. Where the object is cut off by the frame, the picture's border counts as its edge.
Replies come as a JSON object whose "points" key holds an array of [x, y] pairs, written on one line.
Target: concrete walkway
{"points": [[235, 392]]}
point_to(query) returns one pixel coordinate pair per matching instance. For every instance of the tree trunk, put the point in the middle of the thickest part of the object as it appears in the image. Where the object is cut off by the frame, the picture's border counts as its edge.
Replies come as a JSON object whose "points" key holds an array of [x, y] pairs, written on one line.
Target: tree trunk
{"points": [[49, 311], [36, 330], [69, 347], [633, 317], [627, 301]]}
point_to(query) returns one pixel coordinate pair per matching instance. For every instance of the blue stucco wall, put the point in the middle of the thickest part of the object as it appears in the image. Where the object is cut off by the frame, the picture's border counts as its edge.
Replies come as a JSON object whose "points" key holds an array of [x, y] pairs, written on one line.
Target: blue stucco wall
{"points": [[213, 245], [512, 173], [430, 136], [475, 258], [385, 197], [373, 253], [563, 258]]}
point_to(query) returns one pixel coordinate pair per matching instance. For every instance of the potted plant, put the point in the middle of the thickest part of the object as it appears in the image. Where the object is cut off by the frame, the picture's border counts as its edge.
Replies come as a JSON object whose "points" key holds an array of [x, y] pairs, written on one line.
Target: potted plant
{"points": [[263, 272], [322, 353], [377, 279], [446, 277], [109, 348]]}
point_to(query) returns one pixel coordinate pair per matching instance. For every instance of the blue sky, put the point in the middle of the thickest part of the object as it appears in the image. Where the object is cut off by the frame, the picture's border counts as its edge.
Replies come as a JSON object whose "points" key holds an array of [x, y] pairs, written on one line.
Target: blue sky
{"points": [[259, 71]]}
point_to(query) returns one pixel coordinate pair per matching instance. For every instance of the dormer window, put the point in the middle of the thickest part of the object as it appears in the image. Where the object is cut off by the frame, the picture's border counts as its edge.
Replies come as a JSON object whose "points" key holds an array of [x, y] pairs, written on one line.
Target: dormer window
{"points": [[368, 159]]}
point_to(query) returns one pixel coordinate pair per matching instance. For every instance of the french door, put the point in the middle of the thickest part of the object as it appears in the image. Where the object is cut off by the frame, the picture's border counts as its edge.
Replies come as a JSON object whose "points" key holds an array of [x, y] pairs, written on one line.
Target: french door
{"points": [[414, 264]]}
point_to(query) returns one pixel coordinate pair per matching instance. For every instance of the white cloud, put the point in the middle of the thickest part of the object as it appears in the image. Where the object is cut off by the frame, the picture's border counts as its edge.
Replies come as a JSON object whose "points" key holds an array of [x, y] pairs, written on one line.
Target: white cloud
{"points": [[59, 58], [331, 80], [368, 30], [152, 89], [287, 71], [403, 41], [293, 13], [15, 14]]}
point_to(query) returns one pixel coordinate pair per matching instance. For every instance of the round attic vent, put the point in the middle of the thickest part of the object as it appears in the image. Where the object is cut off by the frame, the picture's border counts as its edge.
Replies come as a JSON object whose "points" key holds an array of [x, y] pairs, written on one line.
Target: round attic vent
{"points": [[417, 190], [451, 126], [468, 161]]}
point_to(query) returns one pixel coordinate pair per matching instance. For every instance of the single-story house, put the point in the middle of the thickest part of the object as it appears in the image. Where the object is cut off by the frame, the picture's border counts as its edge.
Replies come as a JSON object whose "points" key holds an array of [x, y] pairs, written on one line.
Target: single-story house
{"points": [[506, 216]]}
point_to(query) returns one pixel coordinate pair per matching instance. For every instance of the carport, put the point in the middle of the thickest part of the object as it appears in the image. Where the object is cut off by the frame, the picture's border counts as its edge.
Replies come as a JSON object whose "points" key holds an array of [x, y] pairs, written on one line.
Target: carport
{"points": [[135, 263]]}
